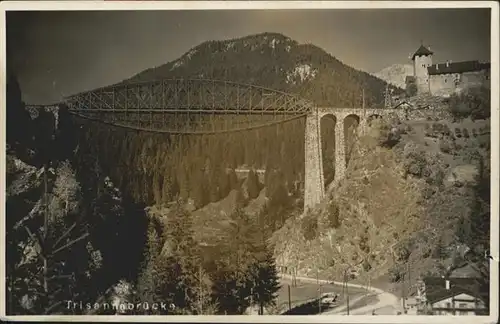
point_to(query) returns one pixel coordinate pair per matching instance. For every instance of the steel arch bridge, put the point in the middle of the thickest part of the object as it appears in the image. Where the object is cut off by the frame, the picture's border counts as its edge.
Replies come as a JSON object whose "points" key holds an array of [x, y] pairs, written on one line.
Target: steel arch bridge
{"points": [[188, 106]]}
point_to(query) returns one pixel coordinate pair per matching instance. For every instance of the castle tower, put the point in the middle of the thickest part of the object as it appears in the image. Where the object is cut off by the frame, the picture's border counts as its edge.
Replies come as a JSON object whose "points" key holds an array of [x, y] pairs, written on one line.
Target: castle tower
{"points": [[422, 59]]}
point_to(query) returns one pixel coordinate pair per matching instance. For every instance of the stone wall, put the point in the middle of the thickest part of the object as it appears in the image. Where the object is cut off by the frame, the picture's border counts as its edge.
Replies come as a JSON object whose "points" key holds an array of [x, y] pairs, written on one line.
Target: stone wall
{"points": [[473, 79], [447, 84], [444, 84]]}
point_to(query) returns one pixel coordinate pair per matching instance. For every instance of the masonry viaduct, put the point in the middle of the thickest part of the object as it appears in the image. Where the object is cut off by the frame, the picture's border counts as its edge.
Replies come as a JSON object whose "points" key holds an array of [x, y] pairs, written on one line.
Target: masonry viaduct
{"points": [[144, 106], [314, 182]]}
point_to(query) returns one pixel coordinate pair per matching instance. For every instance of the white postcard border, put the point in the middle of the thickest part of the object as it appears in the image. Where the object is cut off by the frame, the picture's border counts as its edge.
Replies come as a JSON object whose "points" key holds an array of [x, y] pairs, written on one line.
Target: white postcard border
{"points": [[246, 5]]}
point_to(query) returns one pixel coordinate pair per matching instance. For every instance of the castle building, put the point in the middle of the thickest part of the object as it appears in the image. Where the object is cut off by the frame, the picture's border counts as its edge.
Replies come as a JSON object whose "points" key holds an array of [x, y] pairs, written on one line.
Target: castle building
{"points": [[444, 79]]}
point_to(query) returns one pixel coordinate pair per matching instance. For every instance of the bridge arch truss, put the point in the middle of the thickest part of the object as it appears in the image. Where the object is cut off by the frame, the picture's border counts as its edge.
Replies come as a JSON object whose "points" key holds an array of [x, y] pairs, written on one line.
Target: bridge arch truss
{"points": [[191, 106]]}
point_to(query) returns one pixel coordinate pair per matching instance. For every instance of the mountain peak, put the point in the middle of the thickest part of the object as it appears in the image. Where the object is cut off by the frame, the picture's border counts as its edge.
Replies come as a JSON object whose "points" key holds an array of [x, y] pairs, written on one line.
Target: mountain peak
{"points": [[395, 74], [275, 61]]}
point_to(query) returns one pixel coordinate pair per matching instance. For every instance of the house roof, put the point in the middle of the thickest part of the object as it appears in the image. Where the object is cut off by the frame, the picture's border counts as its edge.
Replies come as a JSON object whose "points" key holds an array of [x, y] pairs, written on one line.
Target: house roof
{"points": [[441, 282], [440, 294], [422, 51], [403, 103], [435, 288], [464, 270], [457, 67]]}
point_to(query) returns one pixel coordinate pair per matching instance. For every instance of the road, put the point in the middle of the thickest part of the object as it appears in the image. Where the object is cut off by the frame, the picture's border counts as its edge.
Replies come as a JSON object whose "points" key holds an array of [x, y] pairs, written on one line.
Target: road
{"points": [[307, 291], [386, 304]]}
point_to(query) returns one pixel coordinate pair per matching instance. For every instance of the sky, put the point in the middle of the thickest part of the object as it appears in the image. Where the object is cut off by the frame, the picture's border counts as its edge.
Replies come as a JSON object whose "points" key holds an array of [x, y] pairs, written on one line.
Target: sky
{"points": [[56, 54]]}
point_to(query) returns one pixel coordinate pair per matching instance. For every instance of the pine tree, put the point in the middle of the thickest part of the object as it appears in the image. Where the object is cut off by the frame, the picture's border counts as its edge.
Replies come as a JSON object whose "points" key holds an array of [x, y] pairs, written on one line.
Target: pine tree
{"points": [[439, 250], [60, 249], [148, 282], [224, 184], [478, 230], [157, 187], [253, 185], [183, 264], [199, 189], [266, 282], [234, 183], [241, 251]]}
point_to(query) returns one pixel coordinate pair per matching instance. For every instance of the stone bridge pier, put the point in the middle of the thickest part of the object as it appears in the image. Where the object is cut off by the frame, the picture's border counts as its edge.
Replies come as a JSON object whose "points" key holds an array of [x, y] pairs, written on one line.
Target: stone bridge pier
{"points": [[314, 182]]}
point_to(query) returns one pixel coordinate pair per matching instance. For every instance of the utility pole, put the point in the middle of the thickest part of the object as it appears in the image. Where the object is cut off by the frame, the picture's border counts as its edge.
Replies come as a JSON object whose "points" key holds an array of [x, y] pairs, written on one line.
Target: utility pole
{"points": [[404, 294], [387, 104], [343, 287], [319, 300], [363, 98], [45, 230], [409, 275], [385, 96], [201, 291], [251, 297], [347, 292], [289, 299]]}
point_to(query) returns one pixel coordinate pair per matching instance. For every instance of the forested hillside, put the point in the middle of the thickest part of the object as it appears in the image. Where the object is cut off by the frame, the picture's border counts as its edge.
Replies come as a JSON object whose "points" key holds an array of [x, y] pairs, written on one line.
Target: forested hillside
{"points": [[275, 61], [157, 167], [439, 170], [72, 234], [101, 212]]}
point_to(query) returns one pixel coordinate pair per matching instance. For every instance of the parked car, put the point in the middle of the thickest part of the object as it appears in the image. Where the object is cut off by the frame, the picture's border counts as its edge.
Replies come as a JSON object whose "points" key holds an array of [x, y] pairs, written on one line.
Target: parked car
{"points": [[329, 299]]}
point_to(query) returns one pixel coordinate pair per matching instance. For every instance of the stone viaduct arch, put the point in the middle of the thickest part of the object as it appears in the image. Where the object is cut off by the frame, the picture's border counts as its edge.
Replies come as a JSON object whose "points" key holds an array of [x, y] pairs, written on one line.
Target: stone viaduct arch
{"points": [[351, 125], [346, 122], [327, 130]]}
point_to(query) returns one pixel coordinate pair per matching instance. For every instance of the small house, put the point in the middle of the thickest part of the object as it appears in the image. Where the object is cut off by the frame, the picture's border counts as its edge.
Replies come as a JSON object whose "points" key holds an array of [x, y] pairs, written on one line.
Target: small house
{"points": [[450, 296]]}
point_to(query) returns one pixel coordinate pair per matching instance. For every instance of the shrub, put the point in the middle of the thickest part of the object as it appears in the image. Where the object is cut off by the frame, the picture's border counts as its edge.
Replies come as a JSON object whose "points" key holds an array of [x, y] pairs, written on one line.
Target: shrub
{"points": [[366, 265], [428, 192], [439, 252], [253, 185], [465, 132], [309, 227], [440, 129], [411, 89], [484, 144], [446, 145], [414, 163], [473, 102], [402, 254], [427, 130], [458, 132], [333, 216], [394, 274], [363, 244]]}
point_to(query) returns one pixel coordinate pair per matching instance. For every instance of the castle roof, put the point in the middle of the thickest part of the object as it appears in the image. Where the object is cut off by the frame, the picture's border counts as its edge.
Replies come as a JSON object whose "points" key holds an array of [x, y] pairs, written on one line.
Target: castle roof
{"points": [[458, 67], [422, 51]]}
